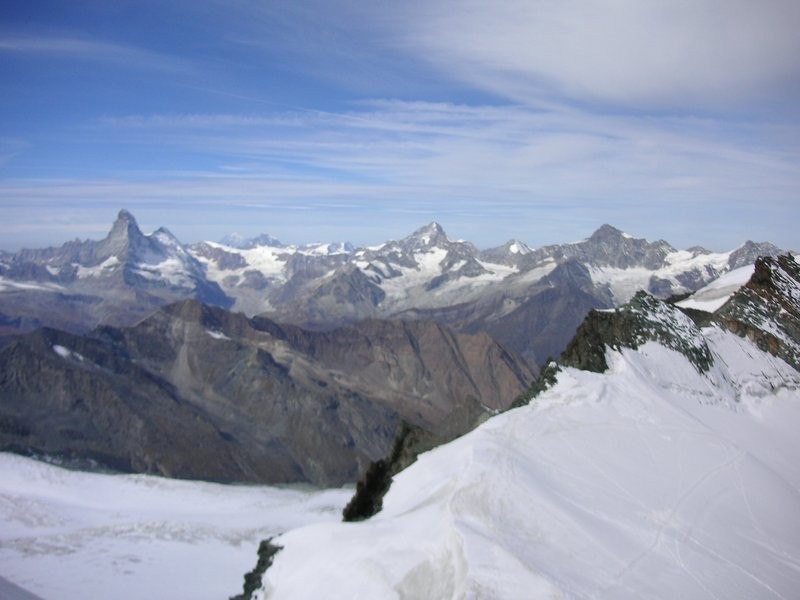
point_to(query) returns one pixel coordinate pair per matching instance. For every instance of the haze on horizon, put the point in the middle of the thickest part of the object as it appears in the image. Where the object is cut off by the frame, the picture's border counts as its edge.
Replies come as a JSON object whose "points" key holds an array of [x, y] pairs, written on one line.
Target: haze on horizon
{"points": [[343, 121]]}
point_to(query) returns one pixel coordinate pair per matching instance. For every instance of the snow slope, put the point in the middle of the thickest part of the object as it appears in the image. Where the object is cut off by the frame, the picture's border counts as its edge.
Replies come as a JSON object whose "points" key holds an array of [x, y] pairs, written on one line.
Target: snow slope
{"points": [[652, 480], [66, 534], [717, 293]]}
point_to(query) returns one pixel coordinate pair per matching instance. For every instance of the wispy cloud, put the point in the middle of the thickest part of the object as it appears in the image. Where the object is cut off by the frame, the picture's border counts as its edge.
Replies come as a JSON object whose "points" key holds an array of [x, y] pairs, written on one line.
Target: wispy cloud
{"points": [[473, 164], [547, 152], [92, 50]]}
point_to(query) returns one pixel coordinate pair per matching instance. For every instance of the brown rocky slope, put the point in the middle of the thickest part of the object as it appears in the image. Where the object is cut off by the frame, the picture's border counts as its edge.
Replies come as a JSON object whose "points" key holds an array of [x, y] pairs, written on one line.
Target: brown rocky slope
{"points": [[196, 391]]}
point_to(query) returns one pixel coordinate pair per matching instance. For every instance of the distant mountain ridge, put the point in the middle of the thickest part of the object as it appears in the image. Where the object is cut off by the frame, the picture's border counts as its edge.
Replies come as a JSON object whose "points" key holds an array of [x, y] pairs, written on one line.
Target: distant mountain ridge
{"points": [[194, 391], [530, 299]]}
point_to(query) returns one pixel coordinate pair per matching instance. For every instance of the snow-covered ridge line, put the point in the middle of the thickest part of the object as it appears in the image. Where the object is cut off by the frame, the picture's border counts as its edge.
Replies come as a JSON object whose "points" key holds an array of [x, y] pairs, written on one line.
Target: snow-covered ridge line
{"points": [[649, 477], [404, 272]]}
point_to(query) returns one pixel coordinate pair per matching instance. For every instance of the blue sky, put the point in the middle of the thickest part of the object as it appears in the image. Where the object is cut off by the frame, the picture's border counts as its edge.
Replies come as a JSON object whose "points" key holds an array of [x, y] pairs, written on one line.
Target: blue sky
{"points": [[361, 121]]}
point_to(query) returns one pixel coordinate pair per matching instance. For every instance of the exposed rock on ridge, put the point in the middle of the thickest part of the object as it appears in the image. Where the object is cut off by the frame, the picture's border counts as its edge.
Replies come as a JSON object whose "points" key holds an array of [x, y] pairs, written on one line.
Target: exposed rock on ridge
{"points": [[643, 319], [767, 308]]}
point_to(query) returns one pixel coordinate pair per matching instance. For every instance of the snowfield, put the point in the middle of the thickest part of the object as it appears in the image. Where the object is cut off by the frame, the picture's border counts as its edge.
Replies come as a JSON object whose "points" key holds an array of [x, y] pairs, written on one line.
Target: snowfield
{"points": [[66, 534], [652, 480]]}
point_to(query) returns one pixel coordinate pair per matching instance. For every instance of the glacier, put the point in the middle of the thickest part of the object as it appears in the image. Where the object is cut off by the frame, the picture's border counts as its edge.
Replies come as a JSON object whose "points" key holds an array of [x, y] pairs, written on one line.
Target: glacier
{"points": [[69, 534]]}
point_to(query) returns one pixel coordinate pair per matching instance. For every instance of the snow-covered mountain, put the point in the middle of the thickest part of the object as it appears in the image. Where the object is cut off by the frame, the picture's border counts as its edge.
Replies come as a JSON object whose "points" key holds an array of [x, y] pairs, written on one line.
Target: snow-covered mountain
{"points": [[119, 279], [669, 470], [428, 270], [529, 299]]}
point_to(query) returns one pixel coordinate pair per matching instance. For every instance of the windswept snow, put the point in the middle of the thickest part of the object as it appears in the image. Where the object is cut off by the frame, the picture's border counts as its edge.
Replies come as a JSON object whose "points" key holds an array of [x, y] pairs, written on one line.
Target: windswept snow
{"points": [[65, 534], [428, 266], [649, 481], [270, 261], [217, 335]]}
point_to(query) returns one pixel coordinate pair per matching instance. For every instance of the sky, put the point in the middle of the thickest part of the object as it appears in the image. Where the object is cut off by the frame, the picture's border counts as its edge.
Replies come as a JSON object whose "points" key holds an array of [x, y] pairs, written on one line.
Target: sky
{"points": [[339, 120]]}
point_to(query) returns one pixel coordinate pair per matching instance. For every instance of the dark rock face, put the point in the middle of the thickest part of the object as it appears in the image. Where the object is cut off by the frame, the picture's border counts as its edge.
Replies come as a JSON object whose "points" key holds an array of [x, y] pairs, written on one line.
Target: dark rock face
{"points": [[642, 320], [195, 391], [748, 252], [252, 580], [767, 309], [536, 326], [409, 442]]}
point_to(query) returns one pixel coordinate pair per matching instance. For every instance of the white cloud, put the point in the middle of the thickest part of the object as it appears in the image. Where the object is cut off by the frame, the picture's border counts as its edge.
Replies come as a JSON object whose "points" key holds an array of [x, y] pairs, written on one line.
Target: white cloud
{"points": [[547, 152], [634, 53]]}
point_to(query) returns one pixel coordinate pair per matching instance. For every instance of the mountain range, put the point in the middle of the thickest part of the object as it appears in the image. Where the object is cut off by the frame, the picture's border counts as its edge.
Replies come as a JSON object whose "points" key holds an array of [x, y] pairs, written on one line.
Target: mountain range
{"points": [[657, 456], [194, 391], [530, 300]]}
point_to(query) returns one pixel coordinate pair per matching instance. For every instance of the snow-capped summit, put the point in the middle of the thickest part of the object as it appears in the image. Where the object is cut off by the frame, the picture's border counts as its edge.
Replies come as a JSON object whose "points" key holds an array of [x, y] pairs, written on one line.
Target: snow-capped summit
{"points": [[432, 235], [118, 279], [530, 299]]}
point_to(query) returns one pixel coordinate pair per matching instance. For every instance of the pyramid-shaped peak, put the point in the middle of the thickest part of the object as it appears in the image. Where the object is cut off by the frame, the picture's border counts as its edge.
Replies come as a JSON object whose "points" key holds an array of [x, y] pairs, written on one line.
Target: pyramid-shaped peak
{"points": [[516, 247], [433, 228], [125, 215], [607, 231], [124, 226], [431, 233]]}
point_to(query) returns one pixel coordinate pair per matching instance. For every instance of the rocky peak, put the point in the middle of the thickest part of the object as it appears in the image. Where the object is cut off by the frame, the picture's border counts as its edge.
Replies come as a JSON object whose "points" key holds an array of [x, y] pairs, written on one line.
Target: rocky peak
{"points": [[606, 233], [430, 236], [610, 247], [510, 253], [125, 226], [747, 253], [767, 308], [124, 238], [643, 319]]}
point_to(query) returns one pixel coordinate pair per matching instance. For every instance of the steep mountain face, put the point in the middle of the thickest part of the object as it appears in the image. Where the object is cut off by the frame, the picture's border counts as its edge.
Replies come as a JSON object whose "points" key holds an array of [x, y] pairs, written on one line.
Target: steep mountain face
{"points": [[117, 280], [669, 470], [767, 308], [195, 391]]}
